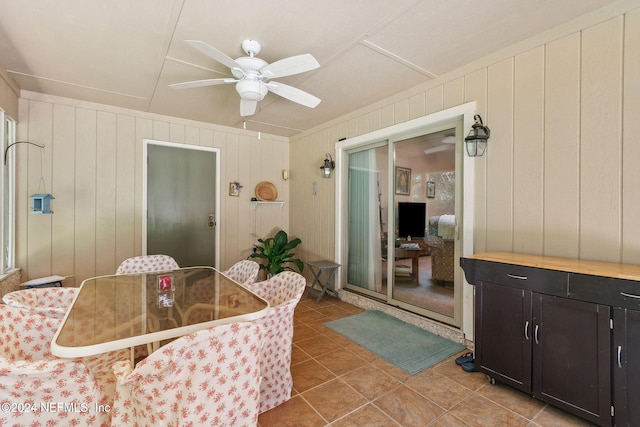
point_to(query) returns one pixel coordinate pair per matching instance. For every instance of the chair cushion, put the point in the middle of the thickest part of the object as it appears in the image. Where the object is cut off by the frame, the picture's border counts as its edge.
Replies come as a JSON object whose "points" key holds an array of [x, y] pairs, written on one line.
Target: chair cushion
{"points": [[50, 302]]}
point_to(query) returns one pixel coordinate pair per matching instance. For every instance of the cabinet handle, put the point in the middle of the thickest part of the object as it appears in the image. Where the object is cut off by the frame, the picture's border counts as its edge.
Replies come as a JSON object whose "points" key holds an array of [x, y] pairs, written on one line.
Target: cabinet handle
{"points": [[620, 356], [514, 276], [526, 330], [624, 294], [535, 334]]}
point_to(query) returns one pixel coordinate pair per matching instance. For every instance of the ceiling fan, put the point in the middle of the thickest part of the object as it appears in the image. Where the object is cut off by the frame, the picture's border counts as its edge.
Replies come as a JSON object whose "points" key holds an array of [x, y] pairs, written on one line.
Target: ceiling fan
{"points": [[252, 75]]}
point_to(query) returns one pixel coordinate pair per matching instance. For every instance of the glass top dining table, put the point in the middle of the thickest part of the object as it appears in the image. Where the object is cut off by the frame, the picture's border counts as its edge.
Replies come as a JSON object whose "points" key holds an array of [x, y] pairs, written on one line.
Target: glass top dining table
{"points": [[123, 311]]}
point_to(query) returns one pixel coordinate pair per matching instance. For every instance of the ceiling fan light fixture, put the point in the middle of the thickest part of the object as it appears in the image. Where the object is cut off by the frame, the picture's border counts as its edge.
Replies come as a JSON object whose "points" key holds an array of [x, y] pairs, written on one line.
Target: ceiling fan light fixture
{"points": [[439, 148], [449, 139], [251, 90]]}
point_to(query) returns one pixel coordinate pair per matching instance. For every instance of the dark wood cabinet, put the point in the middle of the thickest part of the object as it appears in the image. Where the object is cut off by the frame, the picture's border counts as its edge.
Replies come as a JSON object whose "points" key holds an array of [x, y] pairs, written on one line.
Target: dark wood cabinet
{"points": [[626, 366], [551, 347], [502, 344], [571, 356], [565, 331]]}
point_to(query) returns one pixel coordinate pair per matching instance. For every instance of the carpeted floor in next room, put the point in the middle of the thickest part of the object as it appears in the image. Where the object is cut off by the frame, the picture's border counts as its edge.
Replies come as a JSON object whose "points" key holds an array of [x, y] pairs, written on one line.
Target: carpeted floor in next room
{"points": [[427, 293], [338, 383]]}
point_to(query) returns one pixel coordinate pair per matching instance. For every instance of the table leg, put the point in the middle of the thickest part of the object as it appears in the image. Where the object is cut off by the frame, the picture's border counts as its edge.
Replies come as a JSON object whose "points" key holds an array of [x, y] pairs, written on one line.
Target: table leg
{"points": [[328, 280], [316, 280]]}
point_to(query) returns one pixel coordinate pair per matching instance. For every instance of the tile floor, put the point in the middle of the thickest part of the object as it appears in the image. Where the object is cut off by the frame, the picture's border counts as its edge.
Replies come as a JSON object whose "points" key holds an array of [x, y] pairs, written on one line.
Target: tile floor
{"points": [[338, 383]]}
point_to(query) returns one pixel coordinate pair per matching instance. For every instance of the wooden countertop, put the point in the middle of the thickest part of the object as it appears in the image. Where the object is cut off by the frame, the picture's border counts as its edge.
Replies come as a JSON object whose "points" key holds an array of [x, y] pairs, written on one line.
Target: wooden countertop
{"points": [[571, 265]]}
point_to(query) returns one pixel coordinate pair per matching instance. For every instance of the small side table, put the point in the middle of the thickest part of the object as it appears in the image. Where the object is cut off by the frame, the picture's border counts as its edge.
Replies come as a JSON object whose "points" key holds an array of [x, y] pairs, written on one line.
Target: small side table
{"points": [[323, 272]]}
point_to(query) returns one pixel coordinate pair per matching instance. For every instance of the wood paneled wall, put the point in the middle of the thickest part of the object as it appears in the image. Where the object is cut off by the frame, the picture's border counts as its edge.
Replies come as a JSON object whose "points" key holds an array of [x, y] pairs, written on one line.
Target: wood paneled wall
{"points": [[8, 95], [92, 164], [560, 176]]}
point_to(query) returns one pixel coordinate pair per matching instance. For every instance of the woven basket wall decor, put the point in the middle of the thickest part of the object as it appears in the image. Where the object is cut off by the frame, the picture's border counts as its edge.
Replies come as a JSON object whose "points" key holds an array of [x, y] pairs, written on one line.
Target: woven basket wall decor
{"points": [[266, 191]]}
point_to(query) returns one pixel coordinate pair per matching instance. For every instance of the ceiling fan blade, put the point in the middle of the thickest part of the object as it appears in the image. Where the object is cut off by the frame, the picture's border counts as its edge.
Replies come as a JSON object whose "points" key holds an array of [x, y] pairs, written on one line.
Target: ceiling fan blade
{"points": [[215, 54], [289, 66], [293, 94], [200, 83], [248, 108]]}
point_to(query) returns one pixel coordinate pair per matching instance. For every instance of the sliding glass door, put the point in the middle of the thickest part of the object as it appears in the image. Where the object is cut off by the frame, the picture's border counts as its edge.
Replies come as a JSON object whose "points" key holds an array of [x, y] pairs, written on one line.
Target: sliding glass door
{"points": [[401, 214], [424, 264], [366, 226]]}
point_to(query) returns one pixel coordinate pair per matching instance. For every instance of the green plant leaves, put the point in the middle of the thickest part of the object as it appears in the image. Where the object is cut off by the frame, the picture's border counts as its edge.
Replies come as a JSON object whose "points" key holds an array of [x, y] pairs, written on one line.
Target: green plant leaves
{"points": [[276, 251]]}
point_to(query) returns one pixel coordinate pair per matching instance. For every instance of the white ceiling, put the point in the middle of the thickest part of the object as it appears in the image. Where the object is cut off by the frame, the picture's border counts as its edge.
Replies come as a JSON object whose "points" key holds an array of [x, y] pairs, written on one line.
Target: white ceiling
{"points": [[126, 52]]}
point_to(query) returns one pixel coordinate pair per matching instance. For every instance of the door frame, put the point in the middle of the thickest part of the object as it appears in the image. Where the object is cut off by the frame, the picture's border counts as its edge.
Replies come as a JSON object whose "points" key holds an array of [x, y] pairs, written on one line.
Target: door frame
{"points": [[465, 224], [145, 154]]}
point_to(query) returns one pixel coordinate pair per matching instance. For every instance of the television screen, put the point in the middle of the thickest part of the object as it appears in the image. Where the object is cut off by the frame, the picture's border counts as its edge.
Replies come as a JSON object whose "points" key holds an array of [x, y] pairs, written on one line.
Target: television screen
{"points": [[411, 219]]}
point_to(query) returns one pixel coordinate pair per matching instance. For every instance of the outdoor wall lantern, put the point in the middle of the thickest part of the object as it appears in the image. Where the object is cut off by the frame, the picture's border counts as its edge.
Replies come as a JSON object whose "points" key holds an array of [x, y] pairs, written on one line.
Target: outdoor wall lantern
{"points": [[328, 166], [476, 141]]}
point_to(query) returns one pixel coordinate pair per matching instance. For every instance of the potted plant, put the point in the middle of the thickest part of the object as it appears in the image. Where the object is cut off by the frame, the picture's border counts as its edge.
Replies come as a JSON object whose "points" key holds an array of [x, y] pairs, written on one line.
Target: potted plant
{"points": [[276, 253]]}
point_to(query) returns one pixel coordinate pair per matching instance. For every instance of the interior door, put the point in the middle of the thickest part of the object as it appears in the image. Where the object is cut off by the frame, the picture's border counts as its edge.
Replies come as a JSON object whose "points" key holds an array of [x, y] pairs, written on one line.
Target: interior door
{"points": [[182, 202]]}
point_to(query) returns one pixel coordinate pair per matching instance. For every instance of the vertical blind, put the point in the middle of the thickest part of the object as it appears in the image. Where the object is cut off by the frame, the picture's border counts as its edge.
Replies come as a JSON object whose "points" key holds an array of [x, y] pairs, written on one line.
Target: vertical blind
{"points": [[364, 247]]}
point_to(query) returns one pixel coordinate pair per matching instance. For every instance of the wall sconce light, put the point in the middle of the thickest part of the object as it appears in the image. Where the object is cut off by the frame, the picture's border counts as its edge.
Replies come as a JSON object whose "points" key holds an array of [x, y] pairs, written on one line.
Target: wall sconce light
{"points": [[328, 166], [476, 141]]}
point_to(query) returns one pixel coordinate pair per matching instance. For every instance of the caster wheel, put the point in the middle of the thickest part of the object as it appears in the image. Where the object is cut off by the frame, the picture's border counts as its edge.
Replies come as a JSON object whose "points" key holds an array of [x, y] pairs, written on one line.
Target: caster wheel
{"points": [[492, 380]]}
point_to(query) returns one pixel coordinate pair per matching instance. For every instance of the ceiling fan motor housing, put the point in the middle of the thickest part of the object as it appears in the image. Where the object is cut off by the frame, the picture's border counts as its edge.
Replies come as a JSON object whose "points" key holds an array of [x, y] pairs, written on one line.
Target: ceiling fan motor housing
{"points": [[250, 67], [251, 86]]}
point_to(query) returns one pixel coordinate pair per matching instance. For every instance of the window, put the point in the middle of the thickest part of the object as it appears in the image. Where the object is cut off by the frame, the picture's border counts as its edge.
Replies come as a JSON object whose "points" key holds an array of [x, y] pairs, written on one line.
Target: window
{"points": [[8, 136]]}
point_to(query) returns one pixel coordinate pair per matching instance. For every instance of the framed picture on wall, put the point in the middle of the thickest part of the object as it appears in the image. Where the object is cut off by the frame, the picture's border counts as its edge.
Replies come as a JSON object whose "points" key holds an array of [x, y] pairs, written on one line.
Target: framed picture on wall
{"points": [[403, 180], [234, 189], [431, 189]]}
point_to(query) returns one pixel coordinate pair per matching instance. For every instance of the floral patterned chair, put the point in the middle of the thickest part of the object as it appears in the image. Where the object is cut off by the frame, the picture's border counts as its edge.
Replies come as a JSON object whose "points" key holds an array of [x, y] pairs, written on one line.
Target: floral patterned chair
{"points": [[245, 271], [283, 291], [50, 302], [211, 377], [25, 335], [147, 263], [39, 389]]}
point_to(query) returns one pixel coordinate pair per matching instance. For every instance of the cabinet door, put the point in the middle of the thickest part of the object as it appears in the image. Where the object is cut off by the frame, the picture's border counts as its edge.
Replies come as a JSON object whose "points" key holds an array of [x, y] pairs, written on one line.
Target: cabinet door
{"points": [[503, 331], [571, 356], [626, 366]]}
